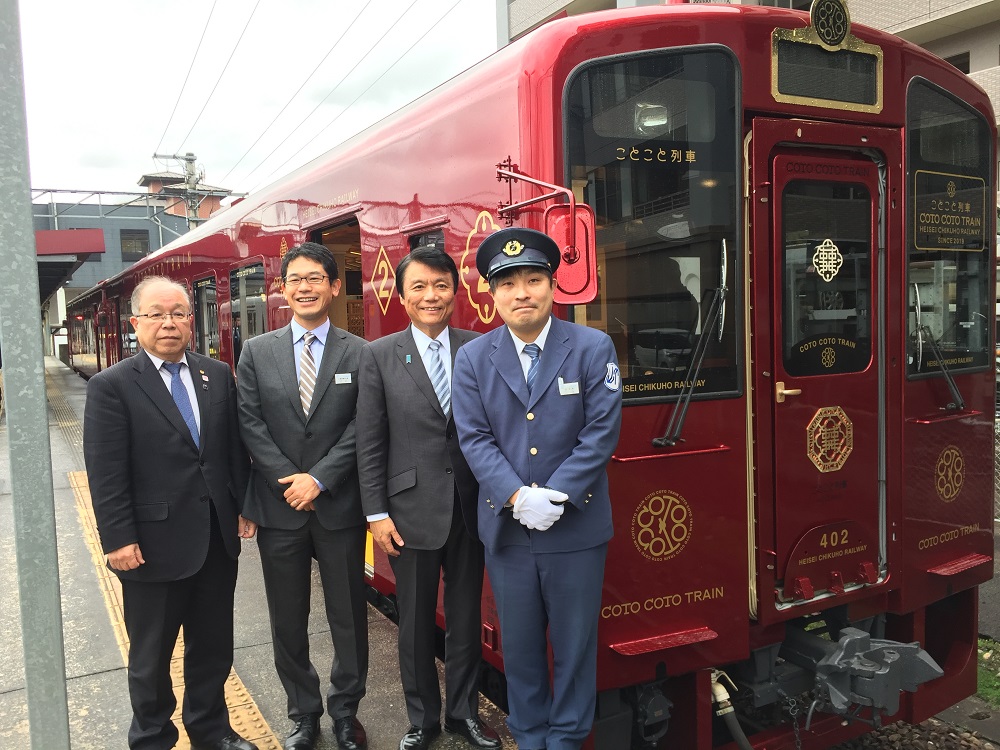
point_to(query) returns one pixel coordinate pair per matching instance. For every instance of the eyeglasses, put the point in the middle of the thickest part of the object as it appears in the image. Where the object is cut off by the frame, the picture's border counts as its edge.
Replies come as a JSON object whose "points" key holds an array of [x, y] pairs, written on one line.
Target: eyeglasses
{"points": [[314, 279], [159, 317]]}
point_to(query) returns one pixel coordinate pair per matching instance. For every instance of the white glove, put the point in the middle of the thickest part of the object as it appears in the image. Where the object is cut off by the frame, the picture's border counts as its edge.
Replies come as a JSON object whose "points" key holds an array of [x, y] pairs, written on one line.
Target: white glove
{"points": [[539, 507]]}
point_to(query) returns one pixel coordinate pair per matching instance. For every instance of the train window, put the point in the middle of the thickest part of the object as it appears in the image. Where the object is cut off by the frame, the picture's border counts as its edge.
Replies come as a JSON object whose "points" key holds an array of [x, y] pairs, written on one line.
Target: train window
{"points": [[429, 239], [130, 343], [206, 317], [950, 230], [818, 307], [249, 305], [652, 146]]}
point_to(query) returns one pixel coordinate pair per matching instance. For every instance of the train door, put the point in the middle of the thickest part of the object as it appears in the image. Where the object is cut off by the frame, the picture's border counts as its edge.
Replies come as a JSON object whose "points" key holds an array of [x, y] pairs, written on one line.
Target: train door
{"points": [[827, 395], [206, 317], [344, 241]]}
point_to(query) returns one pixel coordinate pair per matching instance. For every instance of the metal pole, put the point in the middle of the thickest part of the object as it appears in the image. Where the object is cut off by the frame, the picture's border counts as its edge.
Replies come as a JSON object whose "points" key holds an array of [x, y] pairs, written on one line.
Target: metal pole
{"points": [[27, 412]]}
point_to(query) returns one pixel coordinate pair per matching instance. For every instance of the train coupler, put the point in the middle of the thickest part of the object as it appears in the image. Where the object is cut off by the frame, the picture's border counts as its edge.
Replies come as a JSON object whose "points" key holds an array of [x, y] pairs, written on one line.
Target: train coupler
{"points": [[859, 671]]}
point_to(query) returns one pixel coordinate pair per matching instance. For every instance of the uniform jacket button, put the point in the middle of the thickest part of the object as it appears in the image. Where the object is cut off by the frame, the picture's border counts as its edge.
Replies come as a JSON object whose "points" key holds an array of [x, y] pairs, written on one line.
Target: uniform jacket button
{"points": [[534, 451], [530, 416]]}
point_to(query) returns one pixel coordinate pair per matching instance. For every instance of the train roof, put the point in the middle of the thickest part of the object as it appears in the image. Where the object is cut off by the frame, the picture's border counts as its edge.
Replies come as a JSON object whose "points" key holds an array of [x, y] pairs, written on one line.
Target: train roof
{"points": [[543, 43]]}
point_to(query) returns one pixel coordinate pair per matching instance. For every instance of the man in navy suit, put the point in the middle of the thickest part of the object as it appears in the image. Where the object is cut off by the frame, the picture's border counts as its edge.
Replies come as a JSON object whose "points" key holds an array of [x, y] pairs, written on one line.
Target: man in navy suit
{"points": [[167, 474], [537, 405]]}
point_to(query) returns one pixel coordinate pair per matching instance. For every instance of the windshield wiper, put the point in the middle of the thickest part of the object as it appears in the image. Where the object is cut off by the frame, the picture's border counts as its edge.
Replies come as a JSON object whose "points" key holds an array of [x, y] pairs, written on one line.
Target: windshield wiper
{"points": [[958, 403], [713, 321]]}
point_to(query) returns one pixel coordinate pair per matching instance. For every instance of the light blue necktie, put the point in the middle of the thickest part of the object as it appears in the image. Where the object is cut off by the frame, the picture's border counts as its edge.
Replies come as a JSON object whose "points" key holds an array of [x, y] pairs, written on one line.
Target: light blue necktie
{"points": [[181, 398], [439, 378], [533, 351]]}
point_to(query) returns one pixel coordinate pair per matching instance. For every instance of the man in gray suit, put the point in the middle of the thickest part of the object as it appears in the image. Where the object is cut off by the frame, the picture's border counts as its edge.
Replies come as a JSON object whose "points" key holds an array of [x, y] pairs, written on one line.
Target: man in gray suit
{"points": [[420, 499], [298, 402]]}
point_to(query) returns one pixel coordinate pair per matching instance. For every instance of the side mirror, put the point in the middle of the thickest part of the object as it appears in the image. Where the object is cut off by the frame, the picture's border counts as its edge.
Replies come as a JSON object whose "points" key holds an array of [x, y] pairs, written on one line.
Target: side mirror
{"points": [[576, 277]]}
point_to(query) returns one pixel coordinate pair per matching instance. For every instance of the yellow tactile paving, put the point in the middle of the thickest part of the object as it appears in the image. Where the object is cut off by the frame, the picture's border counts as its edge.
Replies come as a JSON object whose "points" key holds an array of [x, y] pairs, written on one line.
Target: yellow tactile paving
{"points": [[243, 712]]}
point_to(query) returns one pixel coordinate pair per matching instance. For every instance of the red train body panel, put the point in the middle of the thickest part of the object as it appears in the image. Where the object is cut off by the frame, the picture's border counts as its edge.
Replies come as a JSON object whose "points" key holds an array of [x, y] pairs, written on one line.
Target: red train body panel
{"points": [[833, 466]]}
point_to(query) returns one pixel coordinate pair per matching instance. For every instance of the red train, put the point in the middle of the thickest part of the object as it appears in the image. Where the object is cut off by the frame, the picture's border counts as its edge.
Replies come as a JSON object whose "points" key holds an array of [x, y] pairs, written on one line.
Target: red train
{"points": [[786, 223]]}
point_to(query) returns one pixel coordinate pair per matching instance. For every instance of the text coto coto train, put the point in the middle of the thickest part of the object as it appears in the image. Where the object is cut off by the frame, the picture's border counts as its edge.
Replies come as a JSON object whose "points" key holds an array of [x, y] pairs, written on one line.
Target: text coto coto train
{"points": [[786, 224]]}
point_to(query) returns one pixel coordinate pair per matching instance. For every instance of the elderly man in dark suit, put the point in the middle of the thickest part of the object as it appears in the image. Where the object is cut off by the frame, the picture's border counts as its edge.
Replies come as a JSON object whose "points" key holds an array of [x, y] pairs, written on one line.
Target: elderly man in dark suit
{"points": [[538, 410], [167, 477], [420, 499], [298, 395]]}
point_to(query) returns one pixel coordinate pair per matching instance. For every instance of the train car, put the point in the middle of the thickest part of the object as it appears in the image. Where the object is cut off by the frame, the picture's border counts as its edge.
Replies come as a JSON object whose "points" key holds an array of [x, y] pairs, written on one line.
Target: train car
{"points": [[786, 224]]}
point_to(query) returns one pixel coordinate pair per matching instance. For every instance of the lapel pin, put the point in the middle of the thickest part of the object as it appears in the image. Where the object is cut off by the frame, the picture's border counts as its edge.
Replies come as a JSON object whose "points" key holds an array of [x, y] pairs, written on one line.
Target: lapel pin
{"points": [[408, 359], [204, 386]]}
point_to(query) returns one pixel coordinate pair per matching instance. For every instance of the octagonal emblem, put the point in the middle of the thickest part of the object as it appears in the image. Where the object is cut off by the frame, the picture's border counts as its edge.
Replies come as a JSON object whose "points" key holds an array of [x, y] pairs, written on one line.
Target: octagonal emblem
{"points": [[830, 439]]}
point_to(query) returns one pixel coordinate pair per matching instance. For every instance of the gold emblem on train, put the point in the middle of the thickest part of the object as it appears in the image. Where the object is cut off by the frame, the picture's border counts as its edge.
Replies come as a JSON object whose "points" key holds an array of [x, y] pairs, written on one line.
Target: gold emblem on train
{"points": [[513, 248], [831, 21], [661, 525], [830, 439], [476, 288], [383, 280], [827, 260], [828, 357], [283, 248], [949, 474], [951, 189]]}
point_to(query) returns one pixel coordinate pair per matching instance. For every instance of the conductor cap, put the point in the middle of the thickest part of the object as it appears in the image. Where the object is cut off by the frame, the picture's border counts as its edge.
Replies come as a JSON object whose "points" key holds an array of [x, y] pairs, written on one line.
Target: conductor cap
{"points": [[507, 248]]}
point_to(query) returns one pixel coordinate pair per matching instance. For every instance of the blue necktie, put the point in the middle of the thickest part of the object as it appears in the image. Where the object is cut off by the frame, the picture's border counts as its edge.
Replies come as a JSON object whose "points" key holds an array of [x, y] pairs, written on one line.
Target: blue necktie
{"points": [[533, 351], [439, 378], [180, 394]]}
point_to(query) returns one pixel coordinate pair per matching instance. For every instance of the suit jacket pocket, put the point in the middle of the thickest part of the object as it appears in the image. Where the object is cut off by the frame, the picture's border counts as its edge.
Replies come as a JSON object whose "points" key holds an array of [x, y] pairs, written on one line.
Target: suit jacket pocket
{"points": [[151, 512], [401, 481]]}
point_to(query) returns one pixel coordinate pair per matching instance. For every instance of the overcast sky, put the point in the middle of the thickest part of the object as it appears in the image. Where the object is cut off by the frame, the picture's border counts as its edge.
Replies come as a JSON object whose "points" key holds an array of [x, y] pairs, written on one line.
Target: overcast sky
{"points": [[105, 80]]}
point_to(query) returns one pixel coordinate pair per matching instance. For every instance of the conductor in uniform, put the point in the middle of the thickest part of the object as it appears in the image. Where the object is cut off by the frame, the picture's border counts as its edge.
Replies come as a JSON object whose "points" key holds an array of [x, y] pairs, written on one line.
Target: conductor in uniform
{"points": [[167, 476], [538, 409], [420, 499], [298, 393]]}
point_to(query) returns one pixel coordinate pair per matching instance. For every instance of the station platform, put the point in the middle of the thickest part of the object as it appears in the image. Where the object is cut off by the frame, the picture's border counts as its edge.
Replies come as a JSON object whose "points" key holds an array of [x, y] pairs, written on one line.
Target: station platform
{"points": [[95, 639]]}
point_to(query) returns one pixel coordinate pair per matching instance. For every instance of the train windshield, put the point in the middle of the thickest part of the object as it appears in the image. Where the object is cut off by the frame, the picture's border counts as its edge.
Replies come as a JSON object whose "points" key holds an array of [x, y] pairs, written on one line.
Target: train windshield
{"points": [[950, 233], [652, 146]]}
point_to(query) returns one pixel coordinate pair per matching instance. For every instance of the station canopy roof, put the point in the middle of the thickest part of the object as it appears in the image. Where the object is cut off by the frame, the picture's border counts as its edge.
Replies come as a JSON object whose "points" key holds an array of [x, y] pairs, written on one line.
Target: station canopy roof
{"points": [[60, 252]]}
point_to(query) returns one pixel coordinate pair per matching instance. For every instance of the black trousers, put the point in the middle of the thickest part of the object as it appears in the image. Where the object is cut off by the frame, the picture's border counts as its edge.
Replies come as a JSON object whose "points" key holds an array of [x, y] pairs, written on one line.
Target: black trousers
{"points": [[286, 558], [418, 573], [154, 613]]}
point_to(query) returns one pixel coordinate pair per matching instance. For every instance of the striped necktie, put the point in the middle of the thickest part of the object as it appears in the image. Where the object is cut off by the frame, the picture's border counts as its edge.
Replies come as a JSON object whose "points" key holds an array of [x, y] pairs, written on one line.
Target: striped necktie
{"points": [[181, 398], [533, 351], [439, 378], [307, 372]]}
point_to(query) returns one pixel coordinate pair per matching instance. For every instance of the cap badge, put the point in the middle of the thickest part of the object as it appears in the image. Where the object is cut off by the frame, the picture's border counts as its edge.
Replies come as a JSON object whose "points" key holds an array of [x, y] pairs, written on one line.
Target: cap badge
{"points": [[513, 248]]}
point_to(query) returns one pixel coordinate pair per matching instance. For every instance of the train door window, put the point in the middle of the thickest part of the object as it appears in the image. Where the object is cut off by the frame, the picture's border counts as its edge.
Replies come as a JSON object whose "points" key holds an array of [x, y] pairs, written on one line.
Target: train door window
{"points": [[249, 305], [130, 343], [428, 239], [950, 233], [206, 317], [344, 241], [653, 147], [826, 301]]}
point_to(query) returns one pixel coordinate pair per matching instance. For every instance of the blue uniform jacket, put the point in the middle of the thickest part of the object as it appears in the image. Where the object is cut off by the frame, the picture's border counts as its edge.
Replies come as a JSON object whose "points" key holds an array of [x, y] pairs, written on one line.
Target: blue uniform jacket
{"points": [[561, 437]]}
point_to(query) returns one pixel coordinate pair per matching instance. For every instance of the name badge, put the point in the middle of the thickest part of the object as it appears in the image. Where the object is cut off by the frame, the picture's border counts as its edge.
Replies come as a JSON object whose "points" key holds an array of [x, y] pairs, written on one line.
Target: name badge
{"points": [[342, 377], [568, 389]]}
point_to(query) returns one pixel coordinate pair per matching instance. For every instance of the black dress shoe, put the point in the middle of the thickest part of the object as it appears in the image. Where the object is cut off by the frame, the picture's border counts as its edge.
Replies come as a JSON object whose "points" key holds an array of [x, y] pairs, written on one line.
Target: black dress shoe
{"points": [[304, 734], [476, 733], [350, 734], [231, 741], [419, 738]]}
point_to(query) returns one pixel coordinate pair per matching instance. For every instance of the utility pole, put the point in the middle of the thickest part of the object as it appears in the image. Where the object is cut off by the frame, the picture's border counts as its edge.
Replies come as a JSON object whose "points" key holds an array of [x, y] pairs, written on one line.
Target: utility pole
{"points": [[191, 179], [27, 414]]}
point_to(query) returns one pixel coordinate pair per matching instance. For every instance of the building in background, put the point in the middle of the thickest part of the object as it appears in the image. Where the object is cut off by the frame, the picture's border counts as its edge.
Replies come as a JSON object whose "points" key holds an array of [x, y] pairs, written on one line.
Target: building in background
{"points": [[133, 225]]}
